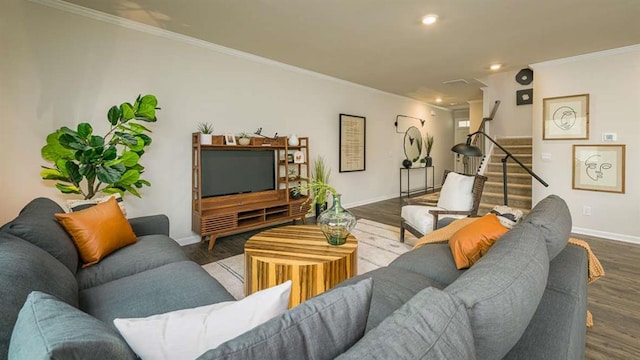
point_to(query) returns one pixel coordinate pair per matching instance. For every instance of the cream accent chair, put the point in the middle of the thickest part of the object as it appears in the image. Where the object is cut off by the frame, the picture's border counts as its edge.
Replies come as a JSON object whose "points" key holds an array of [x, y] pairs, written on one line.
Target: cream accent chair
{"points": [[459, 197]]}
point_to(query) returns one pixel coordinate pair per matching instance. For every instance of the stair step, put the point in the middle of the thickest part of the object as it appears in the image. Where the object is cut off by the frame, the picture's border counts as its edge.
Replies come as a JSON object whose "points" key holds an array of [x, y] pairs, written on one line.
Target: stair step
{"points": [[515, 189], [512, 168], [518, 201], [514, 149], [512, 178], [524, 158], [515, 141]]}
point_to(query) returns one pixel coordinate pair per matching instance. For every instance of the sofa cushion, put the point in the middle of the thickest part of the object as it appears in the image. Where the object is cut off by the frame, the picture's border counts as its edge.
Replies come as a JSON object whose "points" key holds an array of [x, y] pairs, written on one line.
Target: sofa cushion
{"points": [[474, 240], [557, 329], [98, 231], [392, 287], [503, 289], [37, 224], [320, 328], [170, 287], [553, 218], [25, 267], [188, 333], [432, 325], [156, 250], [431, 260], [48, 328]]}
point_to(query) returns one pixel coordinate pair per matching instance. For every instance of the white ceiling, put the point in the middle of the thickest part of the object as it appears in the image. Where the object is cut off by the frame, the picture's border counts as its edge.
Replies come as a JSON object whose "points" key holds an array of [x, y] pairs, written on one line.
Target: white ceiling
{"points": [[382, 43]]}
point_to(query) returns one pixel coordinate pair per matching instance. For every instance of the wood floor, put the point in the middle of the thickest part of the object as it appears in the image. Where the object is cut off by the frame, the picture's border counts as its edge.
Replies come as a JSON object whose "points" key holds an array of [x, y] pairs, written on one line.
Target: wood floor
{"points": [[614, 300]]}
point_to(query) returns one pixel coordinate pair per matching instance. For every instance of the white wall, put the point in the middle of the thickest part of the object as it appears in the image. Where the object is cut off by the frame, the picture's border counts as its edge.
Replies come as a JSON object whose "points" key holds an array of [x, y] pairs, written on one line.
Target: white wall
{"points": [[612, 80], [511, 120], [59, 69]]}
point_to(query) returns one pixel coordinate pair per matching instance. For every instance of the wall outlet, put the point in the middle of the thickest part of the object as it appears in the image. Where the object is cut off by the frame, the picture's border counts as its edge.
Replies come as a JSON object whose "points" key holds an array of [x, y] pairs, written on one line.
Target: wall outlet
{"points": [[586, 210]]}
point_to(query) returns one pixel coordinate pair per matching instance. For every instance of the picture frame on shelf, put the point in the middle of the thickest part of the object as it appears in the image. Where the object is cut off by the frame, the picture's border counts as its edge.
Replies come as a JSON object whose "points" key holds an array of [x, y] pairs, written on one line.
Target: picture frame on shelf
{"points": [[352, 143], [290, 158], [599, 168], [566, 118], [298, 157], [229, 139]]}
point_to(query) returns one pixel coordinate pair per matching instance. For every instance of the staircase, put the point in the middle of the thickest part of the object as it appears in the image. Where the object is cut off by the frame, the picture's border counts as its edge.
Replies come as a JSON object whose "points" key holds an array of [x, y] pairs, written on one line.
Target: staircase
{"points": [[518, 180]]}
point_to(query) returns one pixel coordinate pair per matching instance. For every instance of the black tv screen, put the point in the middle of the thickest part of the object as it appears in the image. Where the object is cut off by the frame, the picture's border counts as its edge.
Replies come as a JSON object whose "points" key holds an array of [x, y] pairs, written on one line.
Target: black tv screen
{"points": [[229, 172]]}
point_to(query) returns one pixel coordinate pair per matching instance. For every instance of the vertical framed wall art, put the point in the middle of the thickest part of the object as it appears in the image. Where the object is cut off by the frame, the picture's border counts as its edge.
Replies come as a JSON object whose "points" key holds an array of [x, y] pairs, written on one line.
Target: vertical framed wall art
{"points": [[352, 143], [599, 168], [566, 118]]}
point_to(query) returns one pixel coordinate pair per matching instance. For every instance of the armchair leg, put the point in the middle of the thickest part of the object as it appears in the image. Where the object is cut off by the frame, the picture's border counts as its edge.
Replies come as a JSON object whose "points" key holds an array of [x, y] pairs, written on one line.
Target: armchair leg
{"points": [[402, 231]]}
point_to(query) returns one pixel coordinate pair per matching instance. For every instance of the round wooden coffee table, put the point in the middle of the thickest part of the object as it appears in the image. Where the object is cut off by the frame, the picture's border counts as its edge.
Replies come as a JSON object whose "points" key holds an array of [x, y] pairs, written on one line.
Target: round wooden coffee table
{"points": [[299, 253]]}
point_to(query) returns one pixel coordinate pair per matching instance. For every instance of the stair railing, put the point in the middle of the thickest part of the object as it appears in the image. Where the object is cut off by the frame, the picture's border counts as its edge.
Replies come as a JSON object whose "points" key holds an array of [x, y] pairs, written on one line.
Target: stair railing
{"points": [[472, 164]]}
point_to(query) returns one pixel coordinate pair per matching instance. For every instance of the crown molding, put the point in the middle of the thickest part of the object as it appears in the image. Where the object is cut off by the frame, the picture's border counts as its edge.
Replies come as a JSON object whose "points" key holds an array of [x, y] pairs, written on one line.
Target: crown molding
{"points": [[583, 57], [152, 30]]}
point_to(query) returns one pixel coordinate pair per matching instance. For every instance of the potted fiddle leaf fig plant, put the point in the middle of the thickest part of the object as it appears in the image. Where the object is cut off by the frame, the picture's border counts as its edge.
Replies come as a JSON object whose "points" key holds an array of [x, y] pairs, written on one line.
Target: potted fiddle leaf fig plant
{"points": [[87, 164]]}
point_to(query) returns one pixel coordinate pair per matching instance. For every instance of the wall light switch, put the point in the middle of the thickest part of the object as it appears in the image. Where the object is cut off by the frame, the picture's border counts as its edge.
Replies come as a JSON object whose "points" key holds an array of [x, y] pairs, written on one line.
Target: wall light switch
{"points": [[609, 136], [545, 157]]}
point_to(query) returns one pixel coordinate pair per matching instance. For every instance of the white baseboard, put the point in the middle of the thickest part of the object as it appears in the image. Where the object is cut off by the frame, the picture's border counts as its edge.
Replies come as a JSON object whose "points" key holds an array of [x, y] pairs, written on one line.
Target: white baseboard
{"points": [[607, 235], [188, 240], [369, 201]]}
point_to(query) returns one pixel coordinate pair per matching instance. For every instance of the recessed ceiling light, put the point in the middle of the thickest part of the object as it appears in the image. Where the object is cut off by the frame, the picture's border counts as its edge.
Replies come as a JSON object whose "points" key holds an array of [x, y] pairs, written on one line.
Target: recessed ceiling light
{"points": [[438, 100], [495, 67], [430, 19]]}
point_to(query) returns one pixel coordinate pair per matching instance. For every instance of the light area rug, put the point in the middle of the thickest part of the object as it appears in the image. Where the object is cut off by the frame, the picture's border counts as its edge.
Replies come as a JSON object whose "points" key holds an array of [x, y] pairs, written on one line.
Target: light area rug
{"points": [[378, 245]]}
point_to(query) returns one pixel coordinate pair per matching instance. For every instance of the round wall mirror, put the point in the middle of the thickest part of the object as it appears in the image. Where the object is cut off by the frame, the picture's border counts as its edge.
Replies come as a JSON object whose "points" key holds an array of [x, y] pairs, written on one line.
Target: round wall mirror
{"points": [[413, 144]]}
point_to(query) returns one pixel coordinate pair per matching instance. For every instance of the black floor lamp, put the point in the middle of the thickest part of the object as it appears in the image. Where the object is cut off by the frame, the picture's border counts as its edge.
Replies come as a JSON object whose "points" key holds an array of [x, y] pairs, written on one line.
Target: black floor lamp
{"points": [[467, 149]]}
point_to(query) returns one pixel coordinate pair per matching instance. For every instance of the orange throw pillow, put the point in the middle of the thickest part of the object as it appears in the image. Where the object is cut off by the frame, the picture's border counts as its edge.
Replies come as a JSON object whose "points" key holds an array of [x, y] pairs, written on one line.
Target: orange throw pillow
{"points": [[98, 231], [474, 240]]}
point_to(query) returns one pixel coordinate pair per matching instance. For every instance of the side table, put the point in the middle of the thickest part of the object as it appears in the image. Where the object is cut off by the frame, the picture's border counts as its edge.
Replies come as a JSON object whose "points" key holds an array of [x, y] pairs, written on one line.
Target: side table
{"points": [[299, 253], [426, 187]]}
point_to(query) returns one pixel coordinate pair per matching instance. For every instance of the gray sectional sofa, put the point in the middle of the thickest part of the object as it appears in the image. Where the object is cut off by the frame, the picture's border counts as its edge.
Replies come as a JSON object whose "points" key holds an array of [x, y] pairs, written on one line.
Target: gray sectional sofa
{"points": [[525, 299], [149, 277]]}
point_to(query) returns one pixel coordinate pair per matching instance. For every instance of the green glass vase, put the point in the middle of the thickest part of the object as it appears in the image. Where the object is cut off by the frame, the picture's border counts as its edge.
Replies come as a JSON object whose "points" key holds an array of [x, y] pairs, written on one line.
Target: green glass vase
{"points": [[336, 222]]}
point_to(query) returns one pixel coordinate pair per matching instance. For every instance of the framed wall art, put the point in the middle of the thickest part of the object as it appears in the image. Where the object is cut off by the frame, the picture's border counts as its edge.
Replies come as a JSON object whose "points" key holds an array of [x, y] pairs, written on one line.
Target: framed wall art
{"points": [[599, 168], [566, 118], [352, 143]]}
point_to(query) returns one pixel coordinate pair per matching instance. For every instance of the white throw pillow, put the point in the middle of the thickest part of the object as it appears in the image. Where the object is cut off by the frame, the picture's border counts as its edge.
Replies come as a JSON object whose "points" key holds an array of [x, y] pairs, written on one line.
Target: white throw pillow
{"points": [[77, 205], [456, 193], [187, 334]]}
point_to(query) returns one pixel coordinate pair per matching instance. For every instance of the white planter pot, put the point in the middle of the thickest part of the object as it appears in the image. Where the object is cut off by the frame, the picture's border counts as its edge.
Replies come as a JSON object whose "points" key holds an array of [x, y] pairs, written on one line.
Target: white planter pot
{"points": [[206, 139], [244, 141]]}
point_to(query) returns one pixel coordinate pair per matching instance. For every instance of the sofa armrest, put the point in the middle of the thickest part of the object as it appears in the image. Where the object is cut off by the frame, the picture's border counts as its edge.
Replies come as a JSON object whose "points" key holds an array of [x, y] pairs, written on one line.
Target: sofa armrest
{"points": [[150, 225]]}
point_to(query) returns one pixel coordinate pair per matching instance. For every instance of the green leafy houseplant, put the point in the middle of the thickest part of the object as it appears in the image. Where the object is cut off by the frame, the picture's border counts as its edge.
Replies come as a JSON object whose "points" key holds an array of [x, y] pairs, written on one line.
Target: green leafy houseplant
{"points": [[86, 164], [318, 185], [205, 128], [428, 141]]}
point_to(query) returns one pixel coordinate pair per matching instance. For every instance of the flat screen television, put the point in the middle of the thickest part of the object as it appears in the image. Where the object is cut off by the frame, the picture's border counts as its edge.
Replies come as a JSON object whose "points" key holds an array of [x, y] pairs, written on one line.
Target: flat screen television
{"points": [[230, 172]]}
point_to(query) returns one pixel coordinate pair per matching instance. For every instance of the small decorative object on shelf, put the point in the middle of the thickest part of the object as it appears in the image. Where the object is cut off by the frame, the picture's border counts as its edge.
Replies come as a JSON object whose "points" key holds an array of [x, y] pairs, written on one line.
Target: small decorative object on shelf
{"points": [[293, 140], [229, 139], [407, 163], [336, 222], [298, 157], [205, 129], [244, 139]]}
